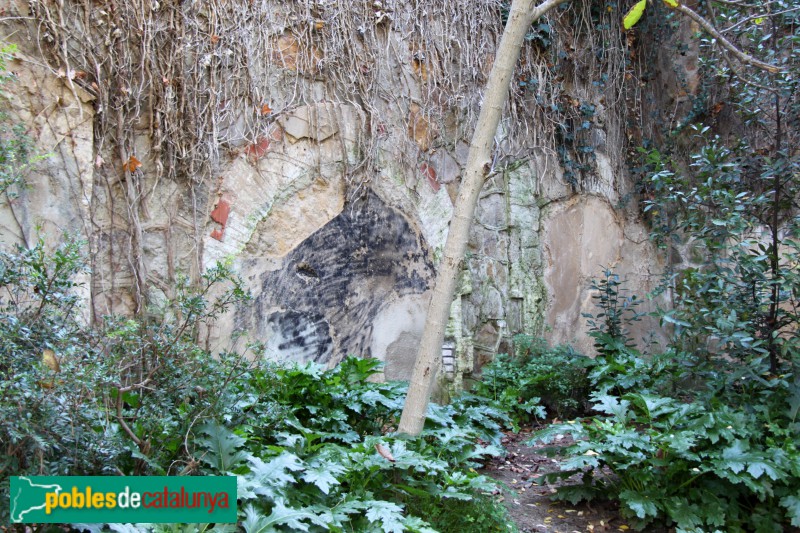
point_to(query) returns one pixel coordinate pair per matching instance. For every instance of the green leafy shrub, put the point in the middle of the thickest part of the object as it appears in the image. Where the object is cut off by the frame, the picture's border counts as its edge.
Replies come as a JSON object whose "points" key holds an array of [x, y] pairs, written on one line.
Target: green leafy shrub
{"points": [[704, 443], [702, 467], [617, 311], [52, 420], [160, 383], [121, 398], [536, 381], [620, 367], [704, 435], [740, 302], [330, 462]]}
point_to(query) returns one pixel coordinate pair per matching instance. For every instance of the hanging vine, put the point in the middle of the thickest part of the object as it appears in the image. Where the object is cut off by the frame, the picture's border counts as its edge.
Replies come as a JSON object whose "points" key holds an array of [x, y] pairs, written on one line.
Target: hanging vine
{"points": [[181, 87]]}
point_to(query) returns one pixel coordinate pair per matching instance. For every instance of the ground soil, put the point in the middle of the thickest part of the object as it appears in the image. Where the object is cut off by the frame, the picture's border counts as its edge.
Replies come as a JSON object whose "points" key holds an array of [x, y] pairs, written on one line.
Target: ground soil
{"points": [[529, 502]]}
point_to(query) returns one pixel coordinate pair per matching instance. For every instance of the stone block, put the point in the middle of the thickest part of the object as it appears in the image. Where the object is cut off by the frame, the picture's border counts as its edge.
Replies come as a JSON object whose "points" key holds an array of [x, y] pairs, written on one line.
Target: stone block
{"points": [[317, 122]]}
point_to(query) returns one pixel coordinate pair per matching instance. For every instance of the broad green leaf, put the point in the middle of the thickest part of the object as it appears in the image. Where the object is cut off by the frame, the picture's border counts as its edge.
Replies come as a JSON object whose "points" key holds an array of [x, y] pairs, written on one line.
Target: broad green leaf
{"points": [[373, 398], [672, 320], [630, 438], [575, 494], [390, 515], [268, 479], [440, 414], [735, 457], [294, 519], [417, 525], [403, 458], [639, 503], [553, 431], [256, 522], [455, 494], [613, 406], [223, 447], [634, 14], [672, 3], [413, 491], [322, 474], [579, 462], [482, 452], [339, 515], [681, 442], [448, 434], [656, 406], [758, 468], [792, 506], [276, 471], [687, 515]]}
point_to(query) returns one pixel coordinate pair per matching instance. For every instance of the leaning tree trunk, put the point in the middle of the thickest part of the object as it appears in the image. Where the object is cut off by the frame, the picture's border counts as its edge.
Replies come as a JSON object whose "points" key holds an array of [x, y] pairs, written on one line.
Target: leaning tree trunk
{"points": [[522, 15]]}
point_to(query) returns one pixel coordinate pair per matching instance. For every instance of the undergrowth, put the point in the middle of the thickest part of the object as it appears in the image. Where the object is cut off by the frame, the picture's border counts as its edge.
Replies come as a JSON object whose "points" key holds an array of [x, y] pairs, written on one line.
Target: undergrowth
{"points": [[536, 382], [702, 435], [702, 442], [314, 449]]}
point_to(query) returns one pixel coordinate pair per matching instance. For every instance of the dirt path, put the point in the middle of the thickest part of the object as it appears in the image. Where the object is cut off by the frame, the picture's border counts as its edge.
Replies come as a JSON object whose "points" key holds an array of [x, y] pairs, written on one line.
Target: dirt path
{"points": [[529, 503]]}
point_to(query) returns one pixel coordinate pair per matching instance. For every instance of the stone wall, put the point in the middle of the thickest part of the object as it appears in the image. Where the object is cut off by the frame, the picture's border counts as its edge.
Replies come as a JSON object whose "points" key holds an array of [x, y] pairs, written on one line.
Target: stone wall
{"points": [[339, 247]]}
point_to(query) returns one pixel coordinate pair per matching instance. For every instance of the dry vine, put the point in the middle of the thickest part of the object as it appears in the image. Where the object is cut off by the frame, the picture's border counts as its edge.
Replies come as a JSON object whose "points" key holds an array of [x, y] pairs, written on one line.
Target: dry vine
{"points": [[188, 85]]}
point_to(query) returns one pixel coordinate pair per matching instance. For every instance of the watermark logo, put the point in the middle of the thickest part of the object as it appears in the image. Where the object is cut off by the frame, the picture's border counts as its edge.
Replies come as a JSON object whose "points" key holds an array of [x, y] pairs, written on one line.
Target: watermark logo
{"points": [[97, 499]]}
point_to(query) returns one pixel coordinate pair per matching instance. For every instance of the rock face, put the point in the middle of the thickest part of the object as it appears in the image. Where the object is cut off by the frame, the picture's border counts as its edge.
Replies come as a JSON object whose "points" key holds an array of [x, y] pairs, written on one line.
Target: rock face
{"points": [[56, 196], [59, 122], [331, 193], [582, 237]]}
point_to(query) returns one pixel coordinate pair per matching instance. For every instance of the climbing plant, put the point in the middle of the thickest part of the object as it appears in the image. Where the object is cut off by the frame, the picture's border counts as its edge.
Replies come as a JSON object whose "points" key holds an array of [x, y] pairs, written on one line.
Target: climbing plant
{"points": [[15, 146], [179, 90]]}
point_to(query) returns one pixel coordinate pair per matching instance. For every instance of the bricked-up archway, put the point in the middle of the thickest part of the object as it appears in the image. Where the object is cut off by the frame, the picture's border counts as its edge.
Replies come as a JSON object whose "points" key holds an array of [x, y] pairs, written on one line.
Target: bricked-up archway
{"points": [[321, 303]]}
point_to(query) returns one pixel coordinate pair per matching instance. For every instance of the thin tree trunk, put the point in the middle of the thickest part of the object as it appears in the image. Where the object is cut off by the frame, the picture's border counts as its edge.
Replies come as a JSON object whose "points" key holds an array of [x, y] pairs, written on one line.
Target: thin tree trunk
{"points": [[478, 165]]}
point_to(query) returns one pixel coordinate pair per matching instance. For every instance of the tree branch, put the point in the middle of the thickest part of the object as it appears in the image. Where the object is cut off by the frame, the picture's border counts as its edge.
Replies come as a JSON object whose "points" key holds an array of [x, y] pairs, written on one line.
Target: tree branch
{"points": [[725, 43]]}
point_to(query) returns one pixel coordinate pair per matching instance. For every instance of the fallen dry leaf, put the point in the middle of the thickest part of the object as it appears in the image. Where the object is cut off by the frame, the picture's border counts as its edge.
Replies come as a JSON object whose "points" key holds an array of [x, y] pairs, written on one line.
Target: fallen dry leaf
{"points": [[384, 452], [131, 164]]}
